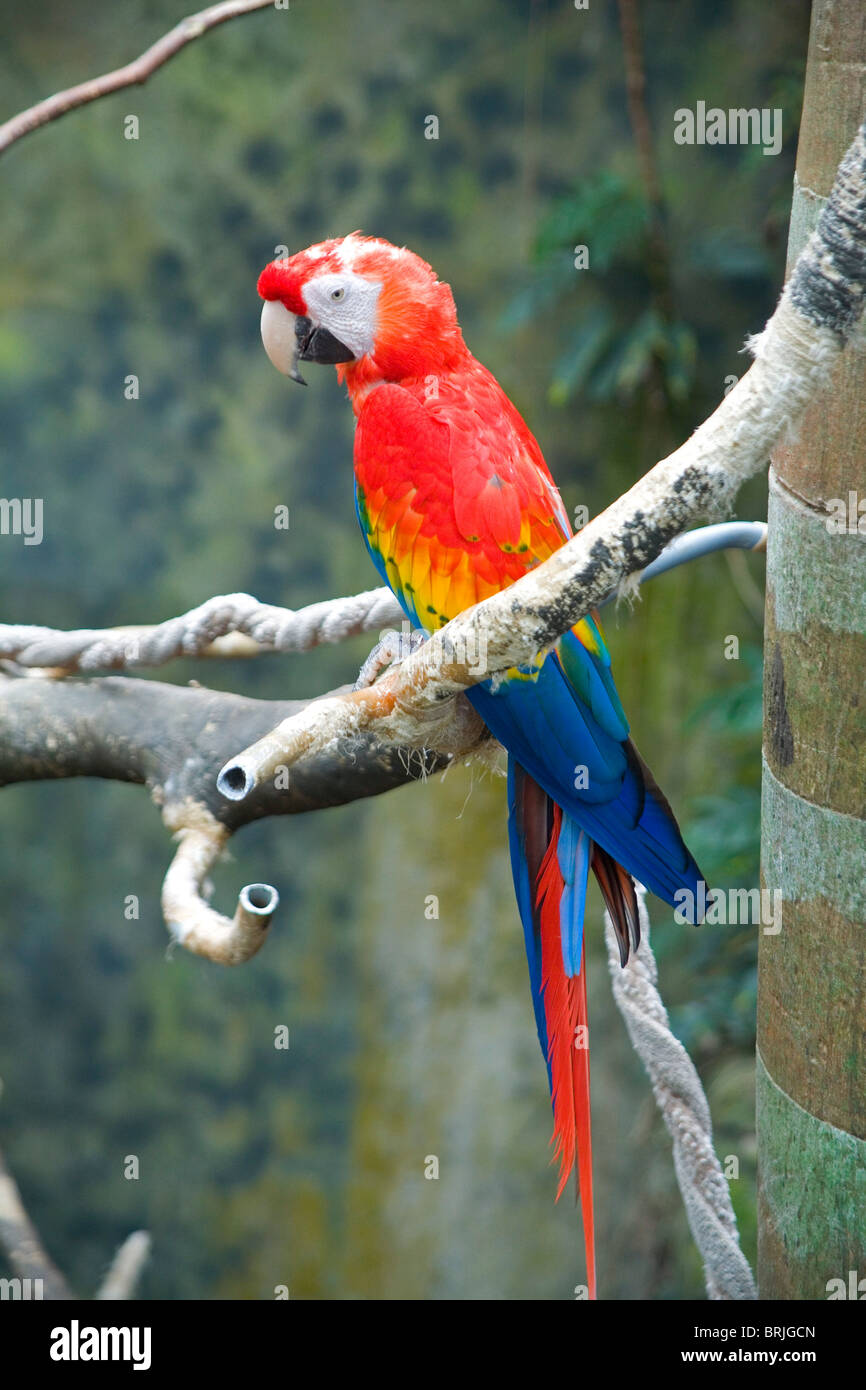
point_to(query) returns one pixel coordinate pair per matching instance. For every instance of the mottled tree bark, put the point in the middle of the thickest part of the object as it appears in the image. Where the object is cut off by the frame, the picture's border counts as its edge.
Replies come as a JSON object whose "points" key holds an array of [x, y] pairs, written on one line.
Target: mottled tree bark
{"points": [[811, 1102]]}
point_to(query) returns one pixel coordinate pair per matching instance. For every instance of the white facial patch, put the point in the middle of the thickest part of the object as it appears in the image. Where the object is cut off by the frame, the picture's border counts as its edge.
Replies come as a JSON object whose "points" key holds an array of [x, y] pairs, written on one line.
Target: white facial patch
{"points": [[345, 304]]}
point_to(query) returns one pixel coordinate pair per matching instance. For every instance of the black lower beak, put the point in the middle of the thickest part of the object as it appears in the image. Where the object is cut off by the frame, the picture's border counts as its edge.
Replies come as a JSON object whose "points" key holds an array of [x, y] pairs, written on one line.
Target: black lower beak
{"points": [[316, 344]]}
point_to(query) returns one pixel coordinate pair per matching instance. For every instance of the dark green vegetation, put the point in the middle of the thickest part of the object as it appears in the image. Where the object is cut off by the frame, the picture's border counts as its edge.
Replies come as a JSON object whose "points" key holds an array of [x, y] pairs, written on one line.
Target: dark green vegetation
{"points": [[409, 1037]]}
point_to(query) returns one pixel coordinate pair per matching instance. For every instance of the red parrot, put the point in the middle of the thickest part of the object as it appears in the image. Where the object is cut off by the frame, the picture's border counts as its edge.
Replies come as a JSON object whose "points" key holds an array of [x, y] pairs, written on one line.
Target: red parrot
{"points": [[455, 502]]}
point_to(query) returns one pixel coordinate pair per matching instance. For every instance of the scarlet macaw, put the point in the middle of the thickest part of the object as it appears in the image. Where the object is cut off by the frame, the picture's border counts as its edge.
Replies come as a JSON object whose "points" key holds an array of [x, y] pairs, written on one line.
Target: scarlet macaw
{"points": [[455, 502]]}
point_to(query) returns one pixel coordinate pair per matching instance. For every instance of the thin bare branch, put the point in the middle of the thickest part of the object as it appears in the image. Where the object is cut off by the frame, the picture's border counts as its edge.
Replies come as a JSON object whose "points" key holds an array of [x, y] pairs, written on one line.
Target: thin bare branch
{"points": [[132, 75], [20, 1240], [39, 1275], [125, 1269]]}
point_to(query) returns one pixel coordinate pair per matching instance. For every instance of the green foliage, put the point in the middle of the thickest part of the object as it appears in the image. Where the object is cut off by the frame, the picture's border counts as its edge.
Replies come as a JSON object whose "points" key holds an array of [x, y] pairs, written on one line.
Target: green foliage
{"points": [[621, 336], [605, 212]]}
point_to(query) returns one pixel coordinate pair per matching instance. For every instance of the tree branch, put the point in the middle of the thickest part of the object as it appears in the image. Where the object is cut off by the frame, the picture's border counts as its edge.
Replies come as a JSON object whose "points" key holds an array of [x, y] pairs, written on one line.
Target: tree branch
{"points": [[31, 1261], [125, 1269], [185, 909], [132, 75], [20, 1239], [173, 740]]}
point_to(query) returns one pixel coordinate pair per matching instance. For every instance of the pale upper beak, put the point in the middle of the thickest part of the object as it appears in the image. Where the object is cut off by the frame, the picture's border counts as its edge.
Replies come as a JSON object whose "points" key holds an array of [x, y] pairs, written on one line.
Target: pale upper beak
{"points": [[280, 338], [290, 338]]}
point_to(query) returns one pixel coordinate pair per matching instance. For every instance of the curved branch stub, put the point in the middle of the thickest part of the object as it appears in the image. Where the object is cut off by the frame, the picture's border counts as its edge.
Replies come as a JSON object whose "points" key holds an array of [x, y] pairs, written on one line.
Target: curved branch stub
{"points": [[192, 922]]}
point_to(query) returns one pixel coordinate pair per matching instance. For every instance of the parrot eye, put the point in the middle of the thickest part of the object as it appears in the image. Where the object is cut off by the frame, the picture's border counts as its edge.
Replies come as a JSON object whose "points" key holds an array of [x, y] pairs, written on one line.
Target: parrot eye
{"points": [[338, 294]]}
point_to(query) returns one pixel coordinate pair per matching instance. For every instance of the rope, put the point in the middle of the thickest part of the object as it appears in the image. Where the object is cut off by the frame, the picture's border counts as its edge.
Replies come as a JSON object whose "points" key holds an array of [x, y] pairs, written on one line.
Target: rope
{"points": [[269, 628], [683, 1104]]}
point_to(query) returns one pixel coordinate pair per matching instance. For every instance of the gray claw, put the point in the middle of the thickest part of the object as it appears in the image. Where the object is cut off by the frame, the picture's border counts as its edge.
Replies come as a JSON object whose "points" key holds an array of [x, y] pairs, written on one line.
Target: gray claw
{"points": [[392, 648]]}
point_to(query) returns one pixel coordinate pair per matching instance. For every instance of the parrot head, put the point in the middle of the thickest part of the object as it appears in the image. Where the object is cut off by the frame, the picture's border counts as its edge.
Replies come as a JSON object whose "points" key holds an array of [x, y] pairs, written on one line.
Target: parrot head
{"points": [[375, 311]]}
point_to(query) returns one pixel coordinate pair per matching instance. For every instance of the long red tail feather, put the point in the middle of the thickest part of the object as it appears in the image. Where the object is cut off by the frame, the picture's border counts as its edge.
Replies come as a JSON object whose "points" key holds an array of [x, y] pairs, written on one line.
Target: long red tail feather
{"points": [[568, 1047]]}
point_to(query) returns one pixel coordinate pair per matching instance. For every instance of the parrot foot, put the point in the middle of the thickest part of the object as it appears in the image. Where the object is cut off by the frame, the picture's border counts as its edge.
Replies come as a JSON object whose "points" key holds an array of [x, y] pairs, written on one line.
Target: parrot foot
{"points": [[392, 648]]}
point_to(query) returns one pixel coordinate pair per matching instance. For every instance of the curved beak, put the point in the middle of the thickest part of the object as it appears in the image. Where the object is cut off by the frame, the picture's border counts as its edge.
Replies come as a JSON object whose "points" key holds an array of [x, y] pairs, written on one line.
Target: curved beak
{"points": [[280, 338], [290, 338]]}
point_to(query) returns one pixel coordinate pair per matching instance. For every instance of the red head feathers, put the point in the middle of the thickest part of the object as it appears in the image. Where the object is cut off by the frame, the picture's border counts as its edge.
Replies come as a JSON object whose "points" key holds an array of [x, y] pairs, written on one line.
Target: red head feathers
{"points": [[381, 302]]}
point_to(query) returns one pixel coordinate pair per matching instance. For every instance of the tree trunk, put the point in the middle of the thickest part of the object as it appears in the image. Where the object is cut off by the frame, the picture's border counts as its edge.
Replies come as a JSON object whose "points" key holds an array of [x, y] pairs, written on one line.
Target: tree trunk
{"points": [[811, 1087]]}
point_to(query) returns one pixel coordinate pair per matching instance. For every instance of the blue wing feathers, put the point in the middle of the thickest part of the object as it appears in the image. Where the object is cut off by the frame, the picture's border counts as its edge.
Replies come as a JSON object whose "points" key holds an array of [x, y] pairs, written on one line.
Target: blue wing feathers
{"points": [[551, 732]]}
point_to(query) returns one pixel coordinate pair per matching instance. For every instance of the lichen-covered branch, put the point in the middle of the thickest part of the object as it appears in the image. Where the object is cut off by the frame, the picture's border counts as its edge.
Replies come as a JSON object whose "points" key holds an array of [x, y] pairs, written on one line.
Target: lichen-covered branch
{"points": [[238, 625]]}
